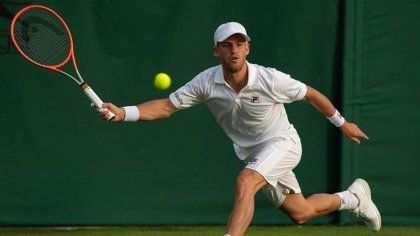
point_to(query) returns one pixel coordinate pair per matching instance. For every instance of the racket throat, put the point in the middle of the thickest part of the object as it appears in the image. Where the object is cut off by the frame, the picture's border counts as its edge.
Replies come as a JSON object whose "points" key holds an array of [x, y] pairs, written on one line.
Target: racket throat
{"points": [[84, 86]]}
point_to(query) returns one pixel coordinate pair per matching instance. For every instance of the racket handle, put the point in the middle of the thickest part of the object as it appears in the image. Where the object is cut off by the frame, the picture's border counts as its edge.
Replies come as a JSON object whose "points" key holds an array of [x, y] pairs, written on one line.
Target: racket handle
{"points": [[94, 98]]}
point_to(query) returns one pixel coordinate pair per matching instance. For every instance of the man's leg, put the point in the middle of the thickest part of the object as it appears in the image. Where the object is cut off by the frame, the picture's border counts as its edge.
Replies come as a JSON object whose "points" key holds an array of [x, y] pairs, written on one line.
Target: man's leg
{"points": [[301, 210], [357, 199], [247, 185]]}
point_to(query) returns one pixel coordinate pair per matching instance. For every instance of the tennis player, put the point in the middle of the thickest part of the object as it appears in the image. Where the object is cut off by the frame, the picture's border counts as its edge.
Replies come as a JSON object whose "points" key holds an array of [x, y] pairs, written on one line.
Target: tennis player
{"points": [[247, 101]]}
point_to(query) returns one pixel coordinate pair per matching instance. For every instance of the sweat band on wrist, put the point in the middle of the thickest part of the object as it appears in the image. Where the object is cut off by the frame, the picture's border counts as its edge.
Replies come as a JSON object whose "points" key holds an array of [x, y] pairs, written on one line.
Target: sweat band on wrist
{"points": [[132, 113], [337, 119]]}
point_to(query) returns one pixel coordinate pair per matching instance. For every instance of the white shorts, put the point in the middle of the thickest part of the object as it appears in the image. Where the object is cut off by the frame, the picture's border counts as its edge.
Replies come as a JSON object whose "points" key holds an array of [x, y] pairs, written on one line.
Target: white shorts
{"points": [[275, 160]]}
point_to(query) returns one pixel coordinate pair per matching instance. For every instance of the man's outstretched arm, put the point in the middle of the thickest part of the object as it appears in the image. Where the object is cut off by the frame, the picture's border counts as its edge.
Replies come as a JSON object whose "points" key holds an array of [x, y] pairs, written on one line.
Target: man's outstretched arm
{"points": [[324, 105], [147, 111]]}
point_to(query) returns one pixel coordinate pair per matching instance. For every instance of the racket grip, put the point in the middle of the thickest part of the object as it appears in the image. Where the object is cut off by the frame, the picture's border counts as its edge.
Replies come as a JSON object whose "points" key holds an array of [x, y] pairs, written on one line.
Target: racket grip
{"points": [[94, 98]]}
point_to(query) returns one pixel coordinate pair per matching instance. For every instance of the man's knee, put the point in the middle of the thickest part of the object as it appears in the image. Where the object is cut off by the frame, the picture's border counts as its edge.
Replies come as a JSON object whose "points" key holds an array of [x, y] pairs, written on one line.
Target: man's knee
{"points": [[297, 208], [244, 185], [301, 218], [249, 182]]}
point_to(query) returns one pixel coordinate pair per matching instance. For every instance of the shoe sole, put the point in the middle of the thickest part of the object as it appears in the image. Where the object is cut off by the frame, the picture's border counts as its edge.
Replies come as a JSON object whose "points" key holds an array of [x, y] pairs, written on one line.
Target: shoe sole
{"points": [[379, 218]]}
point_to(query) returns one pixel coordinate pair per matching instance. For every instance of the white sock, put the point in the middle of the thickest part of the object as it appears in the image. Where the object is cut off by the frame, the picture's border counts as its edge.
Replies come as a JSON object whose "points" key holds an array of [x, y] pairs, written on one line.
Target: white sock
{"points": [[349, 201]]}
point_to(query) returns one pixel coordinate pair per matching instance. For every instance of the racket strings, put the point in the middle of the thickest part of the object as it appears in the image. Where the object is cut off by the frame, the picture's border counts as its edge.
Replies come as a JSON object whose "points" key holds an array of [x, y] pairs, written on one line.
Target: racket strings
{"points": [[42, 37]]}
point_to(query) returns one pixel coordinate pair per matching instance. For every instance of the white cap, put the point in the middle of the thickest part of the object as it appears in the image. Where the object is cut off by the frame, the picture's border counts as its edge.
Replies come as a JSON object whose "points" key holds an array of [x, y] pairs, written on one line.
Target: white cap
{"points": [[226, 30]]}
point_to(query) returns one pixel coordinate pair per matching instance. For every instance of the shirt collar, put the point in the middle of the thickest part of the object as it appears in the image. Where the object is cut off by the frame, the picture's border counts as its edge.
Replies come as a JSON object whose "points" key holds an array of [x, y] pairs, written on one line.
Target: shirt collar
{"points": [[252, 75]]}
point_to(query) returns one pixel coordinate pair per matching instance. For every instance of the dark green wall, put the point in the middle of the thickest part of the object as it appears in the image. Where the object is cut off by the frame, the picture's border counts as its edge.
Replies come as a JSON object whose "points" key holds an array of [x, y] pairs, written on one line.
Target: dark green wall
{"points": [[381, 77], [60, 164]]}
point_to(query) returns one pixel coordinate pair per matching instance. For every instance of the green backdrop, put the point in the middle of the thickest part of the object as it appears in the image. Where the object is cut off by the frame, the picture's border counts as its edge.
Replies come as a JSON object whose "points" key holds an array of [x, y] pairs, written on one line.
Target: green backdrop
{"points": [[381, 74], [60, 164]]}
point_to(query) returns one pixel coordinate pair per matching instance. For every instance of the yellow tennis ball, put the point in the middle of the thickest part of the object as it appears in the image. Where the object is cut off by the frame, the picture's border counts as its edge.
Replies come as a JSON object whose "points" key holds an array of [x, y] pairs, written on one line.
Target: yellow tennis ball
{"points": [[162, 81]]}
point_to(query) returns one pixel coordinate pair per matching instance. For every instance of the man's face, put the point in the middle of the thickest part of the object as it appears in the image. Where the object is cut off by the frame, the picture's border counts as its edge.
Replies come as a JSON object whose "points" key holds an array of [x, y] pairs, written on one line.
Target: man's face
{"points": [[232, 52]]}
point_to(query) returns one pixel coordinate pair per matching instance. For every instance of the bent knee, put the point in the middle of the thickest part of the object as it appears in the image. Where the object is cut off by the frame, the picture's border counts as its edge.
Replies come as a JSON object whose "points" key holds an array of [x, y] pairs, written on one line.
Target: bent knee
{"points": [[302, 217]]}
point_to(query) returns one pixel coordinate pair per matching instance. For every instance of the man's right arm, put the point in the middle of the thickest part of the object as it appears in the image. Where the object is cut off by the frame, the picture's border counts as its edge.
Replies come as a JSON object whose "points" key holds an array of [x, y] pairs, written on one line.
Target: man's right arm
{"points": [[151, 110]]}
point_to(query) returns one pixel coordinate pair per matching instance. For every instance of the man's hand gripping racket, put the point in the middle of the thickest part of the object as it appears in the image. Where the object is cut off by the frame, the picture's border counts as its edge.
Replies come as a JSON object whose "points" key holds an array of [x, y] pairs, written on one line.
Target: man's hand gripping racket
{"points": [[108, 108], [43, 38]]}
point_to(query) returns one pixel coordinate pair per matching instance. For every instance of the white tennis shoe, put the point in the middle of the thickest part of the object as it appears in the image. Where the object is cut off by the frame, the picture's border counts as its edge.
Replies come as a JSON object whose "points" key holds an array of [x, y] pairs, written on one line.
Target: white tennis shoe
{"points": [[366, 208]]}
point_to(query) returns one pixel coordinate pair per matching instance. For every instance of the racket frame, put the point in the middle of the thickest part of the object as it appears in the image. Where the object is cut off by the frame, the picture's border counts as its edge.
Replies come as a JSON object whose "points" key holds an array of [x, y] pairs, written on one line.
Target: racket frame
{"points": [[83, 85]]}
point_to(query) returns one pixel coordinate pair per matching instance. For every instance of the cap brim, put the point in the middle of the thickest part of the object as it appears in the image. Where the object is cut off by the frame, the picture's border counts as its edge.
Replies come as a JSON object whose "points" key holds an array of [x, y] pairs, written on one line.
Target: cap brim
{"points": [[224, 38]]}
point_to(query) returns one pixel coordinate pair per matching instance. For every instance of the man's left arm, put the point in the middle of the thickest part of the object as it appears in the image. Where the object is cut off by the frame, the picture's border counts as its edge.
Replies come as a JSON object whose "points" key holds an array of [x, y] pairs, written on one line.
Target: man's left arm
{"points": [[324, 105]]}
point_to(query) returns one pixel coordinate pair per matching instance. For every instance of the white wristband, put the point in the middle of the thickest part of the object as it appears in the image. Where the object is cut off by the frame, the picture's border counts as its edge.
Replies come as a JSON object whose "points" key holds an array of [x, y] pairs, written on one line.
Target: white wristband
{"points": [[132, 113], [337, 119]]}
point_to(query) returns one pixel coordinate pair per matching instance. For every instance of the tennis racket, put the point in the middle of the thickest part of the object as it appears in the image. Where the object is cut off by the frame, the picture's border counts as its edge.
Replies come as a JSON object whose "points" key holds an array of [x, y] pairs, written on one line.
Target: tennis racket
{"points": [[43, 38]]}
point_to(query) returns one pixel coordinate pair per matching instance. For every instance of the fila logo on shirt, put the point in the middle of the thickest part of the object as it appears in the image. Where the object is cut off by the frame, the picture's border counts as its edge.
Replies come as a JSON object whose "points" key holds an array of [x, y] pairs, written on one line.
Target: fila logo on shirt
{"points": [[255, 99]]}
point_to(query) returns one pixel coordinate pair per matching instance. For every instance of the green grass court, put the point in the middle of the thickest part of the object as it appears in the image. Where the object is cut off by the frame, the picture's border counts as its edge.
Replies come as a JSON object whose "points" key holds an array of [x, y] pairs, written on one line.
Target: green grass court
{"points": [[210, 231]]}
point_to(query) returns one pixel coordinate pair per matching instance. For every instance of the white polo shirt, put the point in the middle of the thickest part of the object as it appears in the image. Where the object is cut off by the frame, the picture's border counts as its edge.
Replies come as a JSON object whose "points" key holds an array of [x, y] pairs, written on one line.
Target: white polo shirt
{"points": [[254, 115]]}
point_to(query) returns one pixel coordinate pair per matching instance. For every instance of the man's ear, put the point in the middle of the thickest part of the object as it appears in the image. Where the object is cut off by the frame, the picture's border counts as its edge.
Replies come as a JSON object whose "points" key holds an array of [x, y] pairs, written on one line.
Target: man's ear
{"points": [[215, 51]]}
